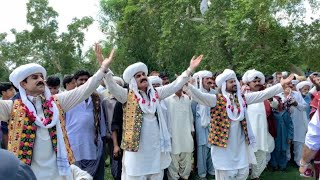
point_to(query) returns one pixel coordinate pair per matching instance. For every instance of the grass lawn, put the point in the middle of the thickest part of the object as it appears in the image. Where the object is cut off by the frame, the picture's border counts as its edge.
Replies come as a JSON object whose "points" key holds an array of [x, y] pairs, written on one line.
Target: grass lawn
{"points": [[291, 174]]}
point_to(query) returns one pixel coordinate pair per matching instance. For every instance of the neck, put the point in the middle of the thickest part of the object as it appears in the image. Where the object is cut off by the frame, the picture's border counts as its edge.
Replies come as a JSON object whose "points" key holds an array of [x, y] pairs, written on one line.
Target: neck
{"points": [[5, 98], [34, 94], [144, 89]]}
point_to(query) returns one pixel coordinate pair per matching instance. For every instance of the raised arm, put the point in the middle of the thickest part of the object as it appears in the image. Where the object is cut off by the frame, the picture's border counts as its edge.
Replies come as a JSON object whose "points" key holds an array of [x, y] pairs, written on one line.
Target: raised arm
{"points": [[5, 110], [200, 97], [71, 98], [301, 103], [260, 96], [167, 90], [120, 93]]}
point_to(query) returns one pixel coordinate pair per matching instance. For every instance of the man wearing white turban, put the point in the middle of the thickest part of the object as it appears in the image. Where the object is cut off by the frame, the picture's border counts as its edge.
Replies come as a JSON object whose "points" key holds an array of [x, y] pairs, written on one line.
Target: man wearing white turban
{"points": [[37, 132], [294, 101], [202, 118], [304, 88], [257, 117], [230, 134], [146, 140]]}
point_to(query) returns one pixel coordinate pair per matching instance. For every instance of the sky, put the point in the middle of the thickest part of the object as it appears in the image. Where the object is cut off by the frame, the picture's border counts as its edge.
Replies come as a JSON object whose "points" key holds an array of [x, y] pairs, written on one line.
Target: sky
{"points": [[13, 15]]}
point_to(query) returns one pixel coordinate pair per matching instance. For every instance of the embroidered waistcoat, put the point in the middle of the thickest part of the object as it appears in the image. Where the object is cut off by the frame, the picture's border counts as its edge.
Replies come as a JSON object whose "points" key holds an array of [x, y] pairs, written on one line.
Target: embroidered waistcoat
{"points": [[22, 133], [132, 123], [220, 124]]}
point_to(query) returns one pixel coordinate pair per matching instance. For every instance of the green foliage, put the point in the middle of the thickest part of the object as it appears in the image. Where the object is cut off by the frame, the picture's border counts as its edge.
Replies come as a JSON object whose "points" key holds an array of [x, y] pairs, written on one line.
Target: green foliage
{"points": [[57, 52], [237, 34]]}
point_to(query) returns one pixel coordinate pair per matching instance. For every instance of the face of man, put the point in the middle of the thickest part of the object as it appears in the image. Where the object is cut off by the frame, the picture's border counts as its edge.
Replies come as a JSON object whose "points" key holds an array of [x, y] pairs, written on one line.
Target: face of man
{"points": [[305, 90], [8, 94], [165, 80], [207, 83], [255, 84], [142, 80], [179, 93], [81, 80], [231, 86], [34, 84], [71, 85], [54, 89], [278, 77], [156, 85]]}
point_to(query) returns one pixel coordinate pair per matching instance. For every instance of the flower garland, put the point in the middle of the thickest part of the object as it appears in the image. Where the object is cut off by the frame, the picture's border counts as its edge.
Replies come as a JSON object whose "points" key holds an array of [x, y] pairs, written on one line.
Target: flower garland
{"points": [[29, 130], [143, 101]]}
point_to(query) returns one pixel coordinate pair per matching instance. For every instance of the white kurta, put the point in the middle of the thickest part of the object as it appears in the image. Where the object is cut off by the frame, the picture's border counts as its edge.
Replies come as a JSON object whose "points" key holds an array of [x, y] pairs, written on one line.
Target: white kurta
{"points": [[44, 163], [181, 121], [298, 116], [148, 160], [313, 134], [237, 154], [257, 116]]}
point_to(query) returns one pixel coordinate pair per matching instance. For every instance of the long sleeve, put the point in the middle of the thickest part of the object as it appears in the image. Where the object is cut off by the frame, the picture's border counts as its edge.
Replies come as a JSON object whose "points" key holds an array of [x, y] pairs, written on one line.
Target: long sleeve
{"points": [[191, 117], [260, 96], [120, 93], [69, 99], [313, 134], [5, 110], [202, 98], [302, 105], [168, 90]]}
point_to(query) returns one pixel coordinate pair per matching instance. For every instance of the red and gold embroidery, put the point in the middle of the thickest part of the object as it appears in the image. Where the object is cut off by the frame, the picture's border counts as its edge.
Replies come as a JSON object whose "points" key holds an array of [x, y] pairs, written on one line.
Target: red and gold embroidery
{"points": [[220, 123]]}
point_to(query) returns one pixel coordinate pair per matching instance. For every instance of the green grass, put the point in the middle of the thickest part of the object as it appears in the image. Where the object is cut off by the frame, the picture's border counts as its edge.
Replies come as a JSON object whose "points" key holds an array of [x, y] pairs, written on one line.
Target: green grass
{"points": [[291, 174]]}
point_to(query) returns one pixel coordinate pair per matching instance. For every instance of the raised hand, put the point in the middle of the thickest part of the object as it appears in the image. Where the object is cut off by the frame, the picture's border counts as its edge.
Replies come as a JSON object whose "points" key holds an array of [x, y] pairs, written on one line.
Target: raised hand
{"points": [[286, 81], [98, 52], [106, 62], [195, 62]]}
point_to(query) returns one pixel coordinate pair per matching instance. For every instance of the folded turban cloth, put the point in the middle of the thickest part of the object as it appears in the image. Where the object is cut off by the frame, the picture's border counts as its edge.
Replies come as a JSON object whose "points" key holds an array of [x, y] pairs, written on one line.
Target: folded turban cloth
{"points": [[198, 76], [295, 82], [133, 69], [225, 76], [302, 84], [154, 80], [250, 75], [22, 72]]}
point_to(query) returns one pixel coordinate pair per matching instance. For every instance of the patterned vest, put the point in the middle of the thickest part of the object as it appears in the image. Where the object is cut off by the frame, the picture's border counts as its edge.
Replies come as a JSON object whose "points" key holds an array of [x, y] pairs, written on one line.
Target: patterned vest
{"points": [[132, 123], [22, 133], [220, 124]]}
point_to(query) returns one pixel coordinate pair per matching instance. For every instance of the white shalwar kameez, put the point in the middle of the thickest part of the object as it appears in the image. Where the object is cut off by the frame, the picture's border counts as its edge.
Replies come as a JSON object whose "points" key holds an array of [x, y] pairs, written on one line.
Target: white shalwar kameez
{"points": [[149, 161]]}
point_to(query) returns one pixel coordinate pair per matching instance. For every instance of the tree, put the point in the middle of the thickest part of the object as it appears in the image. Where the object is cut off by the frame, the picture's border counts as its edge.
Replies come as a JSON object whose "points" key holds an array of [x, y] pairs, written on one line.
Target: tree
{"points": [[43, 44], [237, 34]]}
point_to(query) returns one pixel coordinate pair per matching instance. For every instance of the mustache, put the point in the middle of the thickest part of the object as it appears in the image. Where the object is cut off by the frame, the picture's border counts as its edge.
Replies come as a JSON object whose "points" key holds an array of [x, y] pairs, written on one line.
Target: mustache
{"points": [[144, 79], [40, 83]]}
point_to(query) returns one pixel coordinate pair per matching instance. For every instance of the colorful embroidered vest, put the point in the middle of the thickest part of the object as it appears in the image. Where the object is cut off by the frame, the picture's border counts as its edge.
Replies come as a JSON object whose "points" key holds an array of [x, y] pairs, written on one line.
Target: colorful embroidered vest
{"points": [[132, 123], [220, 124], [22, 133]]}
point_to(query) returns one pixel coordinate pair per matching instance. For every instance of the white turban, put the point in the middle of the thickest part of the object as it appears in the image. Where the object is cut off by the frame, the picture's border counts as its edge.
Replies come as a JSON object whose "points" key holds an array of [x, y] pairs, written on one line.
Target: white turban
{"points": [[295, 82], [22, 72], [133, 69], [204, 111], [118, 79], [250, 75], [225, 76], [302, 84], [285, 73], [154, 104], [154, 80], [16, 77], [198, 76]]}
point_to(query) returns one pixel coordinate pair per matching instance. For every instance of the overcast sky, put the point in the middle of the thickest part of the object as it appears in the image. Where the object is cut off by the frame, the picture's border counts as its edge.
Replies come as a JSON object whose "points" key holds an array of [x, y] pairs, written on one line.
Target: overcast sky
{"points": [[13, 15]]}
